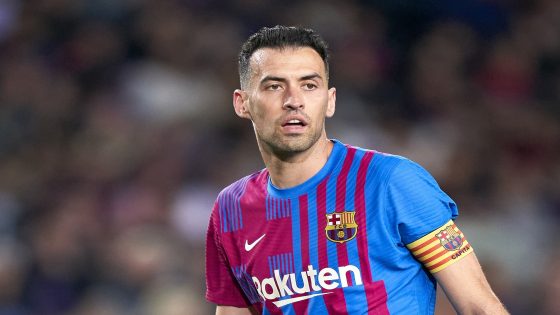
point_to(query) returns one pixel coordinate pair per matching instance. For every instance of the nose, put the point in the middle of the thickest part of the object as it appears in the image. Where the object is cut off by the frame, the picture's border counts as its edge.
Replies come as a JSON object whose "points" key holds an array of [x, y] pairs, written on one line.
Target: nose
{"points": [[293, 99]]}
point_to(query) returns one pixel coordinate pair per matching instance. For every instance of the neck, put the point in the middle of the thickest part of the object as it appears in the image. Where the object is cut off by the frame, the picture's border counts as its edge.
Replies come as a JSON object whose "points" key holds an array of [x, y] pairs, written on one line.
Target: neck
{"points": [[286, 172]]}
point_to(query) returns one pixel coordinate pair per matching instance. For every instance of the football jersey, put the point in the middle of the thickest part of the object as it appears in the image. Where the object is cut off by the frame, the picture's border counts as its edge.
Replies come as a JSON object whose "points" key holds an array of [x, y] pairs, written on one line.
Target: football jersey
{"points": [[362, 236]]}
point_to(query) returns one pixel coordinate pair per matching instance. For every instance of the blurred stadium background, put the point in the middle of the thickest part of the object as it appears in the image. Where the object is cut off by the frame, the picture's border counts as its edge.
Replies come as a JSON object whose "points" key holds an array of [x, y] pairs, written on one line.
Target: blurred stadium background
{"points": [[117, 132]]}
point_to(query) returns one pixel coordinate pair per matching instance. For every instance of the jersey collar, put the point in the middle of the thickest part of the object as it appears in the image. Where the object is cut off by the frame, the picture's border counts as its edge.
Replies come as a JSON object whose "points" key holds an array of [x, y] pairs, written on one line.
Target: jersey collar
{"points": [[332, 162]]}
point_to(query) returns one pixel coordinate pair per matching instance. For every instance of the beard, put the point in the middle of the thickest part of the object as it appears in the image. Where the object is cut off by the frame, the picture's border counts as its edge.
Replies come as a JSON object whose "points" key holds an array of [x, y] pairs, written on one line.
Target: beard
{"points": [[285, 146]]}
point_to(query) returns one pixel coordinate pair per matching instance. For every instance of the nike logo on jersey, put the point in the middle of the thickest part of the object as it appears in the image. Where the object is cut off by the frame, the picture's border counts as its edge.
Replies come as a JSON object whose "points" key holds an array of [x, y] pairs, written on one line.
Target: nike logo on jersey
{"points": [[248, 246]]}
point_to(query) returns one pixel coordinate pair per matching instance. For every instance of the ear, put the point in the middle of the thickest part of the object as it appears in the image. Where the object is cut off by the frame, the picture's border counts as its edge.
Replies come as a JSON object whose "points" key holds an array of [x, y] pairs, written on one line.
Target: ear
{"points": [[331, 102], [240, 104]]}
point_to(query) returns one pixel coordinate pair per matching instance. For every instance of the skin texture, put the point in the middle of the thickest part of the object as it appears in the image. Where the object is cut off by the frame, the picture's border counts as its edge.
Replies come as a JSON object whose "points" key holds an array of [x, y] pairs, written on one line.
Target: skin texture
{"points": [[467, 289], [291, 83], [288, 84], [230, 310]]}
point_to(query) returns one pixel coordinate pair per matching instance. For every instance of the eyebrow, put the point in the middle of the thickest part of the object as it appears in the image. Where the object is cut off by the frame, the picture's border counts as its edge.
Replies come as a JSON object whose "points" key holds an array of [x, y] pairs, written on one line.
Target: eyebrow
{"points": [[280, 79]]}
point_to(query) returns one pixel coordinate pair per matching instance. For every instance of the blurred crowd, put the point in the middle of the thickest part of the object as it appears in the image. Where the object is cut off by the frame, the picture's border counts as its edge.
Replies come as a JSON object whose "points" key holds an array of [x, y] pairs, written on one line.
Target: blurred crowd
{"points": [[117, 132]]}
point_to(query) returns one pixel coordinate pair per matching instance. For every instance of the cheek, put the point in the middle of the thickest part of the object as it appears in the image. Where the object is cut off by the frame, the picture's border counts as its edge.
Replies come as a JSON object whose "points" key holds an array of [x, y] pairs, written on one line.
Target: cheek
{"points": [[261, 119], [321, 102], [258, 114], [263, 108]]}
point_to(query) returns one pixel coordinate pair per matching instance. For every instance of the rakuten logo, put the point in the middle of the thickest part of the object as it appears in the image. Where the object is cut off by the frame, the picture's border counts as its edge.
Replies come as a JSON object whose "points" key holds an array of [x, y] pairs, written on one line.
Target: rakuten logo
{"points": [[286, 285]]}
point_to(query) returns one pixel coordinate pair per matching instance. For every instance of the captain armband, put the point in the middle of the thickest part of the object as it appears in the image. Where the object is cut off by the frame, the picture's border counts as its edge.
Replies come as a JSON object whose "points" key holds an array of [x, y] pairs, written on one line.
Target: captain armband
{"points": [[441, 248]]}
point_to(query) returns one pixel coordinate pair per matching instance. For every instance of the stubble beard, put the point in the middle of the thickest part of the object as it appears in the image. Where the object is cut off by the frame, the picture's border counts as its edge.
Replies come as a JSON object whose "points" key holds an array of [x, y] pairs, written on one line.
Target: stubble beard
{"points": [[286, 146]]}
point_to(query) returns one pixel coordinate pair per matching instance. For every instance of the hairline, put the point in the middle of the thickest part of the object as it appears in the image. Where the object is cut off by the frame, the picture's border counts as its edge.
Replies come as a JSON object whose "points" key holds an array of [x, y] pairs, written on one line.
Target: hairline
{"points": [[244, 82]]}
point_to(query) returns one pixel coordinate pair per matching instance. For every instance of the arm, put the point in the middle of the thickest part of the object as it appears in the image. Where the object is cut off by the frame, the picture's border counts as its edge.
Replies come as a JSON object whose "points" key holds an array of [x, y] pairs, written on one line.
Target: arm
{"points": [[231, 310], [468, 290], [222, 288]]}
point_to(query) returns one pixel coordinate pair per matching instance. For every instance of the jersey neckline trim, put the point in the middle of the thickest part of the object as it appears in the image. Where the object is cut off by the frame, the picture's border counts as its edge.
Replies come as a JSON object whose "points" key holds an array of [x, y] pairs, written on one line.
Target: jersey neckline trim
{"points": [[332, 162]]}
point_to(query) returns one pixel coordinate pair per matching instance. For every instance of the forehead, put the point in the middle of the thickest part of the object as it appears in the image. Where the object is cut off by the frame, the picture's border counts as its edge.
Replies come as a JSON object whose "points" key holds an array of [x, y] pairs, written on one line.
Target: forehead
{"points": [[288, 61]]}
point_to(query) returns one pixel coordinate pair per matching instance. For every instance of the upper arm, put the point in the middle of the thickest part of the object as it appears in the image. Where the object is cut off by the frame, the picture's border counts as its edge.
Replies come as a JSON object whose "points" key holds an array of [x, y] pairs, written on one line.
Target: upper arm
{"points": [[424, 214], [231, 310], [468, 290], [222, 286], [415, 202]]}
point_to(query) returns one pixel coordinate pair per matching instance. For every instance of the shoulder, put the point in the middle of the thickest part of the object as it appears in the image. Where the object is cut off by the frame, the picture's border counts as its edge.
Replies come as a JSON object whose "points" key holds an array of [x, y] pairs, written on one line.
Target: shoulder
{"points": [[395, 172], [386, 166], [396, 167], [227, 207], [254, 181]]}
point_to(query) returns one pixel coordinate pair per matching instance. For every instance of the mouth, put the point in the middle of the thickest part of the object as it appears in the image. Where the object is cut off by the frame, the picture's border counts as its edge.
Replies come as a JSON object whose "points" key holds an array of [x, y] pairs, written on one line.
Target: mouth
{"points": [[294, 124]]}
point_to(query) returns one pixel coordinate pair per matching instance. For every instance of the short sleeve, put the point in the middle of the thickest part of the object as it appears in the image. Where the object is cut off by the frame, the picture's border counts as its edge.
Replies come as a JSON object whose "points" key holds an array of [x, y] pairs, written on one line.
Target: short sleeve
{"points": [[222, 287], [416, 201], [424, 215]]}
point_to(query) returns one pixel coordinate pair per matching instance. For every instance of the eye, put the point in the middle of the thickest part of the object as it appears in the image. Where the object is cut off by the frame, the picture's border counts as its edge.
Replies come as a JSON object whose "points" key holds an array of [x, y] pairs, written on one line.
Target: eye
{"points": [[274, 87], [309, 86]]}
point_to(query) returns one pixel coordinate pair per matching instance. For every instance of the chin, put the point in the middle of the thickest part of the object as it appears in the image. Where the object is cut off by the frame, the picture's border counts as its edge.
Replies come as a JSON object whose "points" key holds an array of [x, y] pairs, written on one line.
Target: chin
{"points": [[291, 145]]}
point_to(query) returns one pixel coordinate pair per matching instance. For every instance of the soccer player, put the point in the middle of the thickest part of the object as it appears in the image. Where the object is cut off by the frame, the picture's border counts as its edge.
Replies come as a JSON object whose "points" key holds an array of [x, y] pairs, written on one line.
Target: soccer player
{"points": [[326, 227]]}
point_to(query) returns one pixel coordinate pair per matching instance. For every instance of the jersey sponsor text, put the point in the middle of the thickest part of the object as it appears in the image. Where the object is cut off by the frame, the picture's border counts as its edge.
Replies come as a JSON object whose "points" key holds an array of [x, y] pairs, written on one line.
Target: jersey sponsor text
{"points": [[312, 281]]}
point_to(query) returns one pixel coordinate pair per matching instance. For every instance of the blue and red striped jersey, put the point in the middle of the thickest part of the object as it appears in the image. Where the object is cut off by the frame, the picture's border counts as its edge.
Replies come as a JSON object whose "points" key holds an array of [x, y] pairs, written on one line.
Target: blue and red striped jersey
{"points": [[361, 236]]}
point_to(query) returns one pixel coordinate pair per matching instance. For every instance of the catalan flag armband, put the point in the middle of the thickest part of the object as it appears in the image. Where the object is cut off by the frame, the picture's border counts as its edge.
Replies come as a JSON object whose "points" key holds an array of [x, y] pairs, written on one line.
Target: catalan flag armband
{"points": [[441, 248]]}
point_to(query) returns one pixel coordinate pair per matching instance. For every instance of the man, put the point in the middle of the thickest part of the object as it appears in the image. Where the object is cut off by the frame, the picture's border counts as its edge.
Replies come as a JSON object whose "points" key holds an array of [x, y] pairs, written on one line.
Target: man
{"points": [[328, 228]]}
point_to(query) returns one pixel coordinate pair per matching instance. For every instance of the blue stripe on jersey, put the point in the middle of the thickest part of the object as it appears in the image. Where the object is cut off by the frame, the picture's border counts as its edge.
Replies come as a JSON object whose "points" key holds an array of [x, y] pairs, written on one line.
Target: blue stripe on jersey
{"points": [[382, 169], [352, 246], [331, 204], [331, 207], [223, 216], [282, 263], [232, 213], [287, 261], [316, 304], [246, 283], [230, 206], [296, 240], [236, 206], [277, 208], [267, 207]]}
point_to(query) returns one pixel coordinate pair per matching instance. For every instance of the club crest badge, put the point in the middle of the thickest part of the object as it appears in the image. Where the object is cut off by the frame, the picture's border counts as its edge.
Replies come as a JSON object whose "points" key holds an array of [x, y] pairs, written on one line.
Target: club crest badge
{"points": [[449, 238], [341, 226]]}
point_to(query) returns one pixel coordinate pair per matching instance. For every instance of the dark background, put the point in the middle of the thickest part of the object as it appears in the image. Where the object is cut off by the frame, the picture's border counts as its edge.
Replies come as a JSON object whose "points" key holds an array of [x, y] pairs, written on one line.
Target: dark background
{"points": [[117, 132]]}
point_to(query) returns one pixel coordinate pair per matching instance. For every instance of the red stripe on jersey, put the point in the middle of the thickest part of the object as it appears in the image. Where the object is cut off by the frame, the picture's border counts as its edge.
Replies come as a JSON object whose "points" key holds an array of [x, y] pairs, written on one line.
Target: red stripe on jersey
{"points": [[377, 295], [304, 230], [341, 180], [342, 251], [321, 211], [332, 301]]}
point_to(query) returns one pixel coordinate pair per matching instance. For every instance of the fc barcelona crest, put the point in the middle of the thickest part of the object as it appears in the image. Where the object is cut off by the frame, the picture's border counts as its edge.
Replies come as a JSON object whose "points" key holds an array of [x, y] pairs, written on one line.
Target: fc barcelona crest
{"points": [[341, 226], [449, 238]]}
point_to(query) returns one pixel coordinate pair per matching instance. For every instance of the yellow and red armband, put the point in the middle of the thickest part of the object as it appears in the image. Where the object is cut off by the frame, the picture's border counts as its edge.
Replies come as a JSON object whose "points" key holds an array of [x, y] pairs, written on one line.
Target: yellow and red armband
{"points": [[441, 248]]}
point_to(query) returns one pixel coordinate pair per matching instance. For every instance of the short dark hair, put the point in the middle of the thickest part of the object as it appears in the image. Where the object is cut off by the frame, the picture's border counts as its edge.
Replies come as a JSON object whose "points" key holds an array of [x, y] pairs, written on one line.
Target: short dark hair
{"points": [[280, 37]]}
